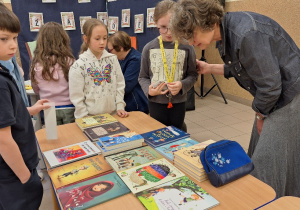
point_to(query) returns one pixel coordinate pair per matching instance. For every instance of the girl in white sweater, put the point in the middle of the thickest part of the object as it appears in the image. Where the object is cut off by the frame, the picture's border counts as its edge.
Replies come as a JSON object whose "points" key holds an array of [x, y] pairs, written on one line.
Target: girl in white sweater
{"points": [[96, 81]]}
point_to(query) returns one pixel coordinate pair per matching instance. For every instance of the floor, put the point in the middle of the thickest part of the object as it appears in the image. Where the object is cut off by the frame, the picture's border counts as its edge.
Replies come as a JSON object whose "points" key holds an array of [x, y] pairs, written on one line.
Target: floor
{"points": [[212, 119]]}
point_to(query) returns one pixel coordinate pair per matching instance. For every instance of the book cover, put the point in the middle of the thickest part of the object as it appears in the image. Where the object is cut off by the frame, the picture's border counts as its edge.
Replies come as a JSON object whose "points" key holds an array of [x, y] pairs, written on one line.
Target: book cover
{"points": [[149, 175], [163, 136], [107, 152], [181, 193], [132, 158], [167, 150], [95, 120], [93, 133], [79, 170], [71, 153], [121, 139], [91, 192]]}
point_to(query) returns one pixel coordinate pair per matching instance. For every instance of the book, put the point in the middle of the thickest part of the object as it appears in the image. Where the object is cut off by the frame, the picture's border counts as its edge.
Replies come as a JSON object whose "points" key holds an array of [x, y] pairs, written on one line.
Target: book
{"points": [[94, 120], [93, 133], [94, 191], [167, 150], [107, 152], [199, 176], [149, 175], [79, 170], [131, 158], [181, 193], [121, 140], [70, 153], [164, 136]]}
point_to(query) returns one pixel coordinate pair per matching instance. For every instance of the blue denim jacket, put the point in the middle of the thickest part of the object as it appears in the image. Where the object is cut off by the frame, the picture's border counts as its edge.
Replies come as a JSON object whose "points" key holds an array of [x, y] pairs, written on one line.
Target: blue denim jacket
{"points": [[262, 57]]}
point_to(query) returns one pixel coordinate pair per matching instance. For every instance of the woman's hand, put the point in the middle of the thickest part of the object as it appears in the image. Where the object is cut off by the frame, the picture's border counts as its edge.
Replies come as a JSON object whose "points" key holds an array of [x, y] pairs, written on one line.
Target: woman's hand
{"points": [[158, 90], [203, 67], [122, 113]]}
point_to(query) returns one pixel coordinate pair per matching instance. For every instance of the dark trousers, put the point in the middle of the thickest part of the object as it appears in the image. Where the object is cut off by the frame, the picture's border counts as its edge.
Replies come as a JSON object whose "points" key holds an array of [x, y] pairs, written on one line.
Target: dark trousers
{"points": [[168, 116], [16, 196]]}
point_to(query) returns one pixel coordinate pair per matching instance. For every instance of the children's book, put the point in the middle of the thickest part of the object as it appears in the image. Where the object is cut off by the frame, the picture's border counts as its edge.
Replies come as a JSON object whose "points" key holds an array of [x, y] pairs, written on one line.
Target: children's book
{"points": [[197, 175], [95, 120], [106, 152], [121, 140], [88, 193], [93, 133], [164, 136], [149, 175], [132, 158], [167, 150], [181, 193], [71, 153], [79, 170]]}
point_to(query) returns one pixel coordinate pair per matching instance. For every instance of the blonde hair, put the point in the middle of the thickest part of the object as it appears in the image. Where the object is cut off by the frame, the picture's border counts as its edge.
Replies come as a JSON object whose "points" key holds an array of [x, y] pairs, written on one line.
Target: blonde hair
{"points": [[52, 46], [120, 39], [192, 14], [8, 20], [162, 8], [87, 29]]}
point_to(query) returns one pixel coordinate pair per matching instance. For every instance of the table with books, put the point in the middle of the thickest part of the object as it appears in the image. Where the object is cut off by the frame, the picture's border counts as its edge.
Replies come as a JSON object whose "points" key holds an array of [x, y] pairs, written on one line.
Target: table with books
{"points": [[129, 179]]}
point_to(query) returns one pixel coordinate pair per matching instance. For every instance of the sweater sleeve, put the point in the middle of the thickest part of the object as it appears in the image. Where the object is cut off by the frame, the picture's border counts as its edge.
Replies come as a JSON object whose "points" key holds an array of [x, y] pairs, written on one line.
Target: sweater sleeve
{"points": [[76, 90], [120, 87]]}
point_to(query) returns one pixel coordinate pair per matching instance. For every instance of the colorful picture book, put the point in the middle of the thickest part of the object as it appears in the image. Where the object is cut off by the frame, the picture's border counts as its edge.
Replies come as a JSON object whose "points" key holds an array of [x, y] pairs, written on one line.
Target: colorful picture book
{"points": [[149, 175], [71, 153], [107, 152], [122, 139], [132, 158], [164, 136], [91, 192], [181, 193], [167, 150], [93, 133], [95, 120], [79, 170]]}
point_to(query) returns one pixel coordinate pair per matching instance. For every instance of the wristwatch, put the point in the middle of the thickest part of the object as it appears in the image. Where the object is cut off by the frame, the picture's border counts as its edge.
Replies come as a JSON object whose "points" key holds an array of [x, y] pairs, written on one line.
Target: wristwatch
{"points": [[259, 116]]}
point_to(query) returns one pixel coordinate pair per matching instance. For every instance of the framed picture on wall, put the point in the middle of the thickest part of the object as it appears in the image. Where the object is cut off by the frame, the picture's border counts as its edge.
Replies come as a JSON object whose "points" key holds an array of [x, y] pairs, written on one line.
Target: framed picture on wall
{"points": [[68, 21], [139, 23], [150, 18], [125, 18], [84, 1], [113, 23], [82, 20], [103, 16], [48, 1], [35, 21]]}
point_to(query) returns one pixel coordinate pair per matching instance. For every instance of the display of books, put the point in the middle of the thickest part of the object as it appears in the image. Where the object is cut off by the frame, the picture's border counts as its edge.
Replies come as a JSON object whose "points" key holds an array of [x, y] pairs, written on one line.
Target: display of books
{"points": [[70, 153], [94, 133], [164, 136], [167, 150], [79, 170], [121, 140], [132, 158], [94, 120], [181, 193], [88, 193], [149, 175]]}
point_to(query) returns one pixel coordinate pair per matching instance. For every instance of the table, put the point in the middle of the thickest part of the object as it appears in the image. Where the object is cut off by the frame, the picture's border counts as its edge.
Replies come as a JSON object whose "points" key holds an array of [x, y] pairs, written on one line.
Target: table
{"points": [[245, 193], [286, 202]]}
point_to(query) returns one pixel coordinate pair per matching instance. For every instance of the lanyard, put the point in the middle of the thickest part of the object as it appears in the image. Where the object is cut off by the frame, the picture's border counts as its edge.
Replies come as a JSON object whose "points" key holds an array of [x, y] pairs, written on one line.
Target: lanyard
{"points": [[170, 79]]}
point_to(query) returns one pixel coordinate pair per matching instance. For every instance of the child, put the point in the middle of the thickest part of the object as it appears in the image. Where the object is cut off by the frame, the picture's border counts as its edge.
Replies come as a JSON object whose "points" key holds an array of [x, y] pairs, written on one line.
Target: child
{"points": [[96, 80], [20, 185], [50, 68], [172, 64]]}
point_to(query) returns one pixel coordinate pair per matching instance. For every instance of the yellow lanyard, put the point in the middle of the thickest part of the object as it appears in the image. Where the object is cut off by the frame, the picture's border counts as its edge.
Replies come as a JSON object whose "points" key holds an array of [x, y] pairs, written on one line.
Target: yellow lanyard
{"points": [[170, 79]]}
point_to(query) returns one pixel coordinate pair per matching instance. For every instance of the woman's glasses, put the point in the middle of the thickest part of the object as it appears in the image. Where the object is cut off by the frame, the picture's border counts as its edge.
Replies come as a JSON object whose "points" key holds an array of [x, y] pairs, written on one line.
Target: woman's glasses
{"points": [[109, 50], [163, 30]]}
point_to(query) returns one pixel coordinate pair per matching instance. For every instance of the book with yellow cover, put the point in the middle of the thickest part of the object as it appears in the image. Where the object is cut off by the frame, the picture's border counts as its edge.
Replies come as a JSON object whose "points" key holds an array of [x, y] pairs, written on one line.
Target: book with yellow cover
{"points": [[79, 170], [95, 120]]}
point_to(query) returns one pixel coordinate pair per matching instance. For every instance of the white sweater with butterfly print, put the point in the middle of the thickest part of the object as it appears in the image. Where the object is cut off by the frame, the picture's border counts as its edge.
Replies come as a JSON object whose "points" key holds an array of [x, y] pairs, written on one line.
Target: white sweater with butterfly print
{"points": [[96, 86]]}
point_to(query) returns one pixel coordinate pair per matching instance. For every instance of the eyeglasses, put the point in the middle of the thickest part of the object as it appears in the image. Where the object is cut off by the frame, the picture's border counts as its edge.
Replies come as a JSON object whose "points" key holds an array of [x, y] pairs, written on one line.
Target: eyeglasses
{"points": [[163, 30], [109, 50]]}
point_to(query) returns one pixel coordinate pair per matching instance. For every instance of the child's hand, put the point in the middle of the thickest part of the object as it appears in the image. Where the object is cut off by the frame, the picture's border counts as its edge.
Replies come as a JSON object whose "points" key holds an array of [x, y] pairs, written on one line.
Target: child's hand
{"points": [[38, 106], [174, 87], [158, 90], [122, 113]]}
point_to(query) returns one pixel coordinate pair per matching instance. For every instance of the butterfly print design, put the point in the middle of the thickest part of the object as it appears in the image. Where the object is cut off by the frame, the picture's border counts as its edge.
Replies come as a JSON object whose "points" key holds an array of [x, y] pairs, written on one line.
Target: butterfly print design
{"points": [[100, 76]]}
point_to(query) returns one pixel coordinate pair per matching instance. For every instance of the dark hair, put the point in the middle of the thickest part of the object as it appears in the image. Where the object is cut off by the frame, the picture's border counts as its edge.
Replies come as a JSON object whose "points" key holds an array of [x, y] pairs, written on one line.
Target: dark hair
{"points": [[191, 14], [87, 29], [8, 20], [120, 39], [162, 8], [52, 46]]}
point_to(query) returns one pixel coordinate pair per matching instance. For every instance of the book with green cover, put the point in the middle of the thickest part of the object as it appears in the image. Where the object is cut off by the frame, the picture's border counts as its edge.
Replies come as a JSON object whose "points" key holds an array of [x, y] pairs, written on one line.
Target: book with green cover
{"points": [[132, 158], [94, 120]]}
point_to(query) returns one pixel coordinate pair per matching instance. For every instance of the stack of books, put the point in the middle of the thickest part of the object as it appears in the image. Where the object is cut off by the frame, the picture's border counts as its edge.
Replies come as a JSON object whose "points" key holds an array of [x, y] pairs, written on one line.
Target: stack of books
{"points": [[188, 160], [120, 142]]}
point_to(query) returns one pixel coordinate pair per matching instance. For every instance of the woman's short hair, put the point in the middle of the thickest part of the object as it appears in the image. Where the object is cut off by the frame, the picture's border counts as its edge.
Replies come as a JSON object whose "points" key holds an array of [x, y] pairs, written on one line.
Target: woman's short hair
{"points": [[192, 14], [8, 20], [120, 39]]}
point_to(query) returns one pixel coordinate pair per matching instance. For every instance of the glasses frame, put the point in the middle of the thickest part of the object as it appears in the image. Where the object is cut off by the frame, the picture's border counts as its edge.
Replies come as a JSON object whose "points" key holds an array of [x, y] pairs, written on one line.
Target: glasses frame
{"points": [[163, 28], [109, 50]]}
